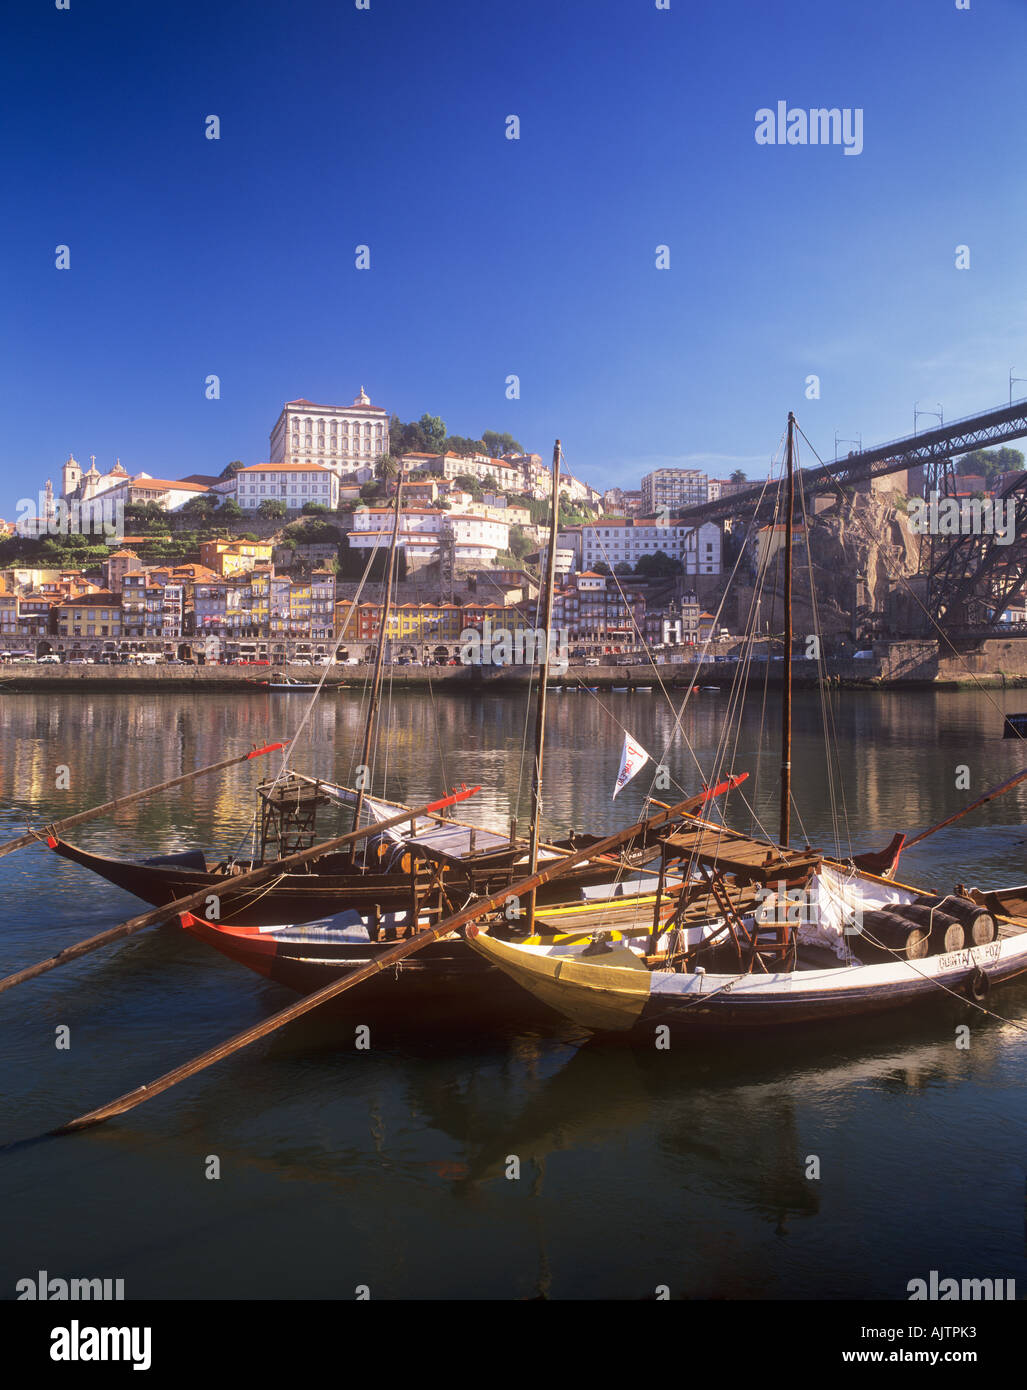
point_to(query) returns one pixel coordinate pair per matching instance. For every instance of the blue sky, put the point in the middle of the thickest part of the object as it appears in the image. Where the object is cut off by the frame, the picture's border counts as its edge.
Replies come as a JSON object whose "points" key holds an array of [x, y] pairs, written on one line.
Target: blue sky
{"points": [[536, 257]]}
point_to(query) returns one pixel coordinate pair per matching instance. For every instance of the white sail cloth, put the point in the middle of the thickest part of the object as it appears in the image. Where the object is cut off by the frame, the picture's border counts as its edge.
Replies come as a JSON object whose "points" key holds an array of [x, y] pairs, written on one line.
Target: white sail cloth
{"points": [[831, 910]]}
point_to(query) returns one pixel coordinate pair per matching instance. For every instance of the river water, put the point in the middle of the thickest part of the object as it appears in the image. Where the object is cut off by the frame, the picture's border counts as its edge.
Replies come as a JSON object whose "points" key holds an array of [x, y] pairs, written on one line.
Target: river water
{"points": [[388, 1167]]}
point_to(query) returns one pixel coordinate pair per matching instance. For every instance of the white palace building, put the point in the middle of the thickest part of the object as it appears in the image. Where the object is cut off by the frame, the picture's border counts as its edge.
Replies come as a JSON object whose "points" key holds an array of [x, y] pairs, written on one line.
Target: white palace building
{"points": [[339, 437]]}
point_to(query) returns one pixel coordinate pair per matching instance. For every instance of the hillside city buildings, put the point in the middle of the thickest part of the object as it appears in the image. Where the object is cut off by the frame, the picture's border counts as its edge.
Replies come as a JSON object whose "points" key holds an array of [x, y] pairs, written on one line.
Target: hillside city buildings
{"points": [[271, 597], [192, 612]]}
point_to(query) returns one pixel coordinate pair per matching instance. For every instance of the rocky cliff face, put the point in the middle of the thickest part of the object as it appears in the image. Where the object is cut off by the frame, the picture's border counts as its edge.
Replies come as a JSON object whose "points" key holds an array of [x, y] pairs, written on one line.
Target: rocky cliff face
{"points": [[860, 550]]}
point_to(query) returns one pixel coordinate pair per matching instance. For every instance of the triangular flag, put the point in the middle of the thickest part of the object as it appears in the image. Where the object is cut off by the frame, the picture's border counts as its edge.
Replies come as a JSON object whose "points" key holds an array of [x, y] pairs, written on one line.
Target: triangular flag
{"points": [[632, 760]]}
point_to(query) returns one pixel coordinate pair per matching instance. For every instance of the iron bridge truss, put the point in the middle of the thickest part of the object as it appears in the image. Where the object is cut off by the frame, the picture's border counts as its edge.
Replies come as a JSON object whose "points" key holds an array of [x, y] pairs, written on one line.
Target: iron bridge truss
{"points": [[971, 579]]}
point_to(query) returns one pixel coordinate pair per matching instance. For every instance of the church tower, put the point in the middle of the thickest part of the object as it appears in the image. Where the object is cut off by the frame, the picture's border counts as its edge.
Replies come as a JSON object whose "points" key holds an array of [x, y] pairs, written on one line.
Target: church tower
{"points": [[71, 477]]}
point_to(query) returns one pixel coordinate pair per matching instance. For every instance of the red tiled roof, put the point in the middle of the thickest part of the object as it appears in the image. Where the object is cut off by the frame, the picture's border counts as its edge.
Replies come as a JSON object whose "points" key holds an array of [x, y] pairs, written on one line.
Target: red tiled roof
{"points": [[140, 481]]}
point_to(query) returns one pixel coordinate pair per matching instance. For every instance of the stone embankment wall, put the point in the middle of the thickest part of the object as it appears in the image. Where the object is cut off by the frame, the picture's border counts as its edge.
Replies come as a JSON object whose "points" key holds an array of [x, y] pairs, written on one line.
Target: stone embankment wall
{"points": [[997, 661]]}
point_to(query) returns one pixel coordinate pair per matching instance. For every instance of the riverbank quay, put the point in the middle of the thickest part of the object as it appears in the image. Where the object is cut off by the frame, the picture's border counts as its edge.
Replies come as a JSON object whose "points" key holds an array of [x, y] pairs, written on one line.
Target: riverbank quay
{"points": [[999, 664]]}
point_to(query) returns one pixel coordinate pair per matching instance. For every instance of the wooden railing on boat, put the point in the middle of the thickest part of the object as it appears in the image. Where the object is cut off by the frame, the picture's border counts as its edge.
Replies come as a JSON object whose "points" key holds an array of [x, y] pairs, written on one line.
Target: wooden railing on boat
{"points": [[729, 852]]}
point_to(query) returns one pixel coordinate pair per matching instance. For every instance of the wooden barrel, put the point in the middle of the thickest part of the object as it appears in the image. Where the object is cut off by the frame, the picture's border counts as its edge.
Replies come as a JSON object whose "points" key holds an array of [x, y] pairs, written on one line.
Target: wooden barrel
{"points": [[979, 924], [893, 933], [983, 930], [946, 932]]}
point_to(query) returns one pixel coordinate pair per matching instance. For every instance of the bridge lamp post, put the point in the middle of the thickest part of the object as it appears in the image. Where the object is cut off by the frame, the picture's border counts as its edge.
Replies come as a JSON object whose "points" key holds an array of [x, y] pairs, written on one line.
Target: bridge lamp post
{"points": [[917, 412], [839, 440], [1013, 378]]}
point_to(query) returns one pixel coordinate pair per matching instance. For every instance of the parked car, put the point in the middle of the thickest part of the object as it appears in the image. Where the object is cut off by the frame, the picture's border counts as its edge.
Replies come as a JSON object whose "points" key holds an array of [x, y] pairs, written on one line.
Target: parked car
{"points": [[863, 656], [48, 659]]}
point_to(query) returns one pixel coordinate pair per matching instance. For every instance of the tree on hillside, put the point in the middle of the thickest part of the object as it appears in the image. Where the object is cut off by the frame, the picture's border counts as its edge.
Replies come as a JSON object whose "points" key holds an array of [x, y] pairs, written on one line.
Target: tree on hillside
{"points": [[199, 507], [467, 482], [658, 566], [520, 543], [738, 476], [433, 427], [231, 469], [230, 510], [406, 439], [499, 444], [459, 444], [272, 509], [386, 468], [146, 516], [989, 463]]}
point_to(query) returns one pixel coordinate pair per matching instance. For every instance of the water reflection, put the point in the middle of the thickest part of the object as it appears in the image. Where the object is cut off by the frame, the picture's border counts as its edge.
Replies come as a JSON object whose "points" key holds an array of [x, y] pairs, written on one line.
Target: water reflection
{"points": [[638, 1168]]}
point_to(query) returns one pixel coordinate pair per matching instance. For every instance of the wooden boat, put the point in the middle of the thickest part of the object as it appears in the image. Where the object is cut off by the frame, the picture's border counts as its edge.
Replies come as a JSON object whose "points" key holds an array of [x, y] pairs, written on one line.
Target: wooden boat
{"points": [[453, 862], [774, 937], [777, 974], [309, 956], [334, 883]]}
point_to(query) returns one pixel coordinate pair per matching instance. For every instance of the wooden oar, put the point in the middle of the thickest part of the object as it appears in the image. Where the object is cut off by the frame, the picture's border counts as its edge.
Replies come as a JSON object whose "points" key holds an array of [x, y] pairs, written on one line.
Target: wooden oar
{"points": [[406, 948], [227, 889], [981, 800], [24, 840]]}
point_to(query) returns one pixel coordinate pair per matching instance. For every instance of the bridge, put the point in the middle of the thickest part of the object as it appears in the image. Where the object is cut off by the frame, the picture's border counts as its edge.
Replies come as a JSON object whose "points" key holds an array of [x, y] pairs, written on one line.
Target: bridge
{"points": [[971, 579]]}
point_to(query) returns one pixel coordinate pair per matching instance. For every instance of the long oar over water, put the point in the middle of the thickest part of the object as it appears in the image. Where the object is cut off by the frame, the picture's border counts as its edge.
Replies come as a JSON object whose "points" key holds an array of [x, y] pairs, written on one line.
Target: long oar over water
{"points": [[406, 948], [252, 878], [23, 841], [981, 801]]}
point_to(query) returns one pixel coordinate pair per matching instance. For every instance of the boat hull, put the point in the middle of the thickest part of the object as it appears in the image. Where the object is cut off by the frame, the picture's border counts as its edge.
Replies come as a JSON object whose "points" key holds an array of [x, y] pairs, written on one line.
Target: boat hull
{"points": [[305, 897], [633, 999], [443, 974], [290, 898]]}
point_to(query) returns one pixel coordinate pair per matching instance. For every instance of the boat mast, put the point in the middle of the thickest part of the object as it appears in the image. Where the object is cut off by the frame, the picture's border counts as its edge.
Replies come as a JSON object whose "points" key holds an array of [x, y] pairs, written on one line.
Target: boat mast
{"points": [[786, 692], [363, 772], [540, 707]]}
